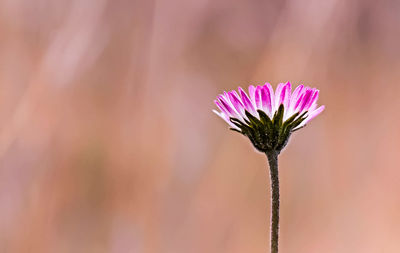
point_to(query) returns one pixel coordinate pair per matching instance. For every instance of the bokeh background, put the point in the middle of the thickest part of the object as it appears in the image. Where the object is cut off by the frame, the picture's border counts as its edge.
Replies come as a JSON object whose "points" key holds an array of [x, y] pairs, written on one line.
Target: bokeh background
{"points": [[108, 142]]}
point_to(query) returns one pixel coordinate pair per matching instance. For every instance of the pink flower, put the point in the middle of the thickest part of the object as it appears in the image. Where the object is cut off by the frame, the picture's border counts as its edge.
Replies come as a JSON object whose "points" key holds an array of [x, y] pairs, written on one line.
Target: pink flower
{"points": [[303, 99], [268, 118]]}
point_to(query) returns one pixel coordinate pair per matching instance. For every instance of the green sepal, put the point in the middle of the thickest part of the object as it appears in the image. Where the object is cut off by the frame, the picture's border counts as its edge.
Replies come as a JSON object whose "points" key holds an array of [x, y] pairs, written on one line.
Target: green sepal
{"points": [[278, 117], [252, 119], [237, 122], [268, 134], [234, 129], [299, 120], [265, 119], [290, 120]]}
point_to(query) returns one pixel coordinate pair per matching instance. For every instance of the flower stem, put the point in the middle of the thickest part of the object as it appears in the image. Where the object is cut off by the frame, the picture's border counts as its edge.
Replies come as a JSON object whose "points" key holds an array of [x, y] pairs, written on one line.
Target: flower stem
{"points": [[273, 166]]}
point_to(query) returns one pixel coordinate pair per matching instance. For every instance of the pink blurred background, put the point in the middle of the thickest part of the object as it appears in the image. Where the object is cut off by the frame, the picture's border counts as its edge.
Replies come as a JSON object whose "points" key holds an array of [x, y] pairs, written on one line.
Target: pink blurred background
{"points": [[108, 142]]}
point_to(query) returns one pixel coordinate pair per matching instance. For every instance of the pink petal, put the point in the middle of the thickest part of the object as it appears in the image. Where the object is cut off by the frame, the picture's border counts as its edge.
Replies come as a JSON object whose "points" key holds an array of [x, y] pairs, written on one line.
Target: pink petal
{"points": [[236, 102], [257, 97], [226, 105], [271, 92], [246, 101], [306, 99], [253, 95], [285, 95], [313, 99], [220, 107], [295, 95], [308, 102], [312, 108], [313, 115], [266, 99], [226, 96], [226, 119], [278, 95], [252, 91]]}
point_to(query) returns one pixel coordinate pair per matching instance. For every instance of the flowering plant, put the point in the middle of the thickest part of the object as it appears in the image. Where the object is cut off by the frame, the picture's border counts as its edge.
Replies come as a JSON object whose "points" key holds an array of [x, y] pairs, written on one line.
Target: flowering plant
{"points": [[268, 119]]}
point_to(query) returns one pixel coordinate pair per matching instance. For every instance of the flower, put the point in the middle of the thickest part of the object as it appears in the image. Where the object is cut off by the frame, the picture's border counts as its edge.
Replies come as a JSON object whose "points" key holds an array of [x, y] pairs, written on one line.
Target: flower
{"points": [[269, 118]]}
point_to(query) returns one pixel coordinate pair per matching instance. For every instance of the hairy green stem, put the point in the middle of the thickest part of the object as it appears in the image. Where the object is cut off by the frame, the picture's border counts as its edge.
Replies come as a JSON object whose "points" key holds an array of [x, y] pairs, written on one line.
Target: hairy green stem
{"points": [[273, 168]]}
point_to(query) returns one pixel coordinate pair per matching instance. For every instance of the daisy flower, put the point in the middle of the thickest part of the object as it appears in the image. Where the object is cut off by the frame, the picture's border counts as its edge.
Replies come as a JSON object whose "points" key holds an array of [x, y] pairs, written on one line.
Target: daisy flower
{"points": [[267, 117]]}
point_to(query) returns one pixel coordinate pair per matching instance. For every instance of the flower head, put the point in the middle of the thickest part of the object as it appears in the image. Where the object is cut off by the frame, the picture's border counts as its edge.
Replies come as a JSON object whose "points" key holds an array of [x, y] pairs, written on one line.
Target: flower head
{"points": [[268, 118]]}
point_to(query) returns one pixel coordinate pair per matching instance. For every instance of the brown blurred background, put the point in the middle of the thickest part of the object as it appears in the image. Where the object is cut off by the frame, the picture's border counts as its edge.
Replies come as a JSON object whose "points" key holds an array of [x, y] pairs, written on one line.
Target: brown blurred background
{"points": [[108, 142]]}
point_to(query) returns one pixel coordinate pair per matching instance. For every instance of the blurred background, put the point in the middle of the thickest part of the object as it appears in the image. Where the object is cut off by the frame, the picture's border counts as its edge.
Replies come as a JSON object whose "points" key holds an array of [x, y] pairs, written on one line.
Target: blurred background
{"points": [[108, 142]]}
